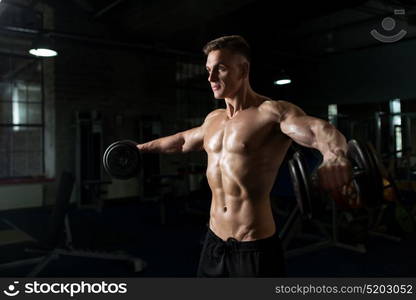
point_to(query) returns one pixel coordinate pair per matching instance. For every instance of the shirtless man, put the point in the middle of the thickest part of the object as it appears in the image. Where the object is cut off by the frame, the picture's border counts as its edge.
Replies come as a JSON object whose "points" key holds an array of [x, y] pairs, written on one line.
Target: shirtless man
{"points": [[246, 144]]}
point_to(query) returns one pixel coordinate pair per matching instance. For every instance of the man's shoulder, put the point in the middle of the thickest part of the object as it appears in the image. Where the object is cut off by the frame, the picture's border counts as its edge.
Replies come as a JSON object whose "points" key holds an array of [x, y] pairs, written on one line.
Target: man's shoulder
{"points": [[274, 106], [280, 109], [212, 116], [279, 104], [215, 112]]}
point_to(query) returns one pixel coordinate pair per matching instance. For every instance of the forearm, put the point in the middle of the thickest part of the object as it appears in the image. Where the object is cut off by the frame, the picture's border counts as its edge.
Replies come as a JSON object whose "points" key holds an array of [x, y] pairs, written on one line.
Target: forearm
{"points": [[328, 140], [167, 144]]}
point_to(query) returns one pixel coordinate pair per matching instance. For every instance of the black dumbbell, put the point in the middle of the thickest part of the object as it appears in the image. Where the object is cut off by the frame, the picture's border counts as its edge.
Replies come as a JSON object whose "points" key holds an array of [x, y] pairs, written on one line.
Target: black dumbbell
{"points": [[122, 159], [365, 174]]}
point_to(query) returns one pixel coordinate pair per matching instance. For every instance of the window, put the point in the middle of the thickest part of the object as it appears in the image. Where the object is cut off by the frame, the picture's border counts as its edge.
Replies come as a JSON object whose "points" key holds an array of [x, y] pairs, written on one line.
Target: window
{"points": [[395, 110], [332, 113], [21, 117]]}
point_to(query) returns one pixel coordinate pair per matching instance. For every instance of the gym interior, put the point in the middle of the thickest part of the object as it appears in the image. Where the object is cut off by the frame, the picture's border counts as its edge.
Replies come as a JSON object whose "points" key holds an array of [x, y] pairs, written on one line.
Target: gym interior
{"points": [[134, 70]]}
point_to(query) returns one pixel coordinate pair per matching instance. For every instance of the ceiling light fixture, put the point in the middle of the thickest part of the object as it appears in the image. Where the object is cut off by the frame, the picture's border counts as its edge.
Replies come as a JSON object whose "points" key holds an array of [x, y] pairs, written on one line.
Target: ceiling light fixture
{"points": [[43, 47], [282, 79]]}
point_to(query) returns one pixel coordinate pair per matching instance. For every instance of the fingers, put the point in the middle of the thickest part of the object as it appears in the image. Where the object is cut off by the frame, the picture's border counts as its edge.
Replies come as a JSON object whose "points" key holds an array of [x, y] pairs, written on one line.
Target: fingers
{"points": [[343, 174], [346, 173], [142, 147], [323, 182], [332, 177]]}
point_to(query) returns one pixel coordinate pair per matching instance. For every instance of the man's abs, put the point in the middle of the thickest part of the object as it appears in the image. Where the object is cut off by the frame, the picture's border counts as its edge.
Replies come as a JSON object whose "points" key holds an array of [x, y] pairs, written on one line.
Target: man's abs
{"points": [[243, 219], [240, 186]]}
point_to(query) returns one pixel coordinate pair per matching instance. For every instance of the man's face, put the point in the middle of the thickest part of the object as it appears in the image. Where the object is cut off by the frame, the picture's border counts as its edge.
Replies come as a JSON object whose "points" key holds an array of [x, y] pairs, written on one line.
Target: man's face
{"points": [[225, 73]]}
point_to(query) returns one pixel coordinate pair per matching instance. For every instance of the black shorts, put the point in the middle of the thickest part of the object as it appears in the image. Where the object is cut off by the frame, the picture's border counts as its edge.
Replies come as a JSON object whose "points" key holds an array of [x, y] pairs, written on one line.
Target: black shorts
{"points": [[231, 258]]}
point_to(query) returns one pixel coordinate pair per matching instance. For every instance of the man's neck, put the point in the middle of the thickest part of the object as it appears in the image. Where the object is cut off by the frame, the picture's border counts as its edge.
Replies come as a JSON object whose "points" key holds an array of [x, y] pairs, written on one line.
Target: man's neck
{"points": [[242, 100]]}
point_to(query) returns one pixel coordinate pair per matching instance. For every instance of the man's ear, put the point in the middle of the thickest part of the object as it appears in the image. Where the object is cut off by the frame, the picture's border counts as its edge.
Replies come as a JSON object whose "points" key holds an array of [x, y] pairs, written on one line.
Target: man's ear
{"points": [[245, 69]]}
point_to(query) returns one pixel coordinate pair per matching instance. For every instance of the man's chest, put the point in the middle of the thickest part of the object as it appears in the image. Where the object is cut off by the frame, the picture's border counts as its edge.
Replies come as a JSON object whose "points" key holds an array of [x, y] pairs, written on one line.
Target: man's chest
{"points": [[242, 134]]}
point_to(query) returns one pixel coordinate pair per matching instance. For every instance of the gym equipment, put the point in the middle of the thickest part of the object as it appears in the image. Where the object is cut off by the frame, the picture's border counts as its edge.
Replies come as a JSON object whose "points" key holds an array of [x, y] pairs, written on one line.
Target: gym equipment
{"points": [[367, 184], [89, 184], [354, 225], [395, 141], [58, 240], [309, 199], [302, 185], [370, 182], [391, 195], [326, 235], [122, 159]]}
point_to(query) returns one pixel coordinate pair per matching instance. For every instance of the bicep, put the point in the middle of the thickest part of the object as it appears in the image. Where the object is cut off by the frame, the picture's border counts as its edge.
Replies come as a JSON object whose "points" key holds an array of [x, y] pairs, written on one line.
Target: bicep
{"points": [[193, 139], [299, 129], [298, 126]]}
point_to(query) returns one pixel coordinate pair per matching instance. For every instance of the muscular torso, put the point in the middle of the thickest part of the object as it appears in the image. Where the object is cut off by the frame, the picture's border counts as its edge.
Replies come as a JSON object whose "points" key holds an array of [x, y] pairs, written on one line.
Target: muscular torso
{"points": [[244, 156]]}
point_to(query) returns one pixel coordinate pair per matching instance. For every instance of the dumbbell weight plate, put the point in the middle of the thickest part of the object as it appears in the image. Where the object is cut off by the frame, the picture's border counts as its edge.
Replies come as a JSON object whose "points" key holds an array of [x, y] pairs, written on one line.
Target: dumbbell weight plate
{"points": [[308, 204], [299, 189], [122, 160], [370, 181]]}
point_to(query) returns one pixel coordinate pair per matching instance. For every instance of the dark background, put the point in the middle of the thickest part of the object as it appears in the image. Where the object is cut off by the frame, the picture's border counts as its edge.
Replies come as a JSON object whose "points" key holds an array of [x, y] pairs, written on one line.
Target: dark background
{"points": [[133, 69]]}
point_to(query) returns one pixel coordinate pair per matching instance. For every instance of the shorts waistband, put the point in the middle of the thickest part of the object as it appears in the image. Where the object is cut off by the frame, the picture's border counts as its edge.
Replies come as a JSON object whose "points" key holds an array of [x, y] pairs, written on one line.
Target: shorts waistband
{"points": [[246, 245]]}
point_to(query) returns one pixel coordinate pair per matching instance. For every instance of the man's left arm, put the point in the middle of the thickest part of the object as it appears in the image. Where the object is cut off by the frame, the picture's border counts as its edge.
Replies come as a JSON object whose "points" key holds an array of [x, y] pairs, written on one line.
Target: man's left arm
{"points": [[312, 132]]}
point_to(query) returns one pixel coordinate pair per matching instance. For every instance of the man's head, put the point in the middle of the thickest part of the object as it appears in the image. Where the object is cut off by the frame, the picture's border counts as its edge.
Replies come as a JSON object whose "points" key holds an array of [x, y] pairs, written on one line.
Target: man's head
{"points": [[228, 64]]}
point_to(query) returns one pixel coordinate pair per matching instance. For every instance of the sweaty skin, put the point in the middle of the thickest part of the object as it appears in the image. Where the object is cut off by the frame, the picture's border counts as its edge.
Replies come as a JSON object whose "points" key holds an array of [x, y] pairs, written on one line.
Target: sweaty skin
{"points": [[244, 156], [246, 144]]}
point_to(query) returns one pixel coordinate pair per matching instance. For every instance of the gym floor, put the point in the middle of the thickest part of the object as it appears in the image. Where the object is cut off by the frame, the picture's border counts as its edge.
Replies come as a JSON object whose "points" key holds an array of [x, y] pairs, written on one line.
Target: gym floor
{"points": [[172, 250]]}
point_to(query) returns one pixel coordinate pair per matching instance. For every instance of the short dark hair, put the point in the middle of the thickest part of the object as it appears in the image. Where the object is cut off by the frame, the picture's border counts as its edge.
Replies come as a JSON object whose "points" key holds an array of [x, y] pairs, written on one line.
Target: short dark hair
{"points": [[234, 43]]}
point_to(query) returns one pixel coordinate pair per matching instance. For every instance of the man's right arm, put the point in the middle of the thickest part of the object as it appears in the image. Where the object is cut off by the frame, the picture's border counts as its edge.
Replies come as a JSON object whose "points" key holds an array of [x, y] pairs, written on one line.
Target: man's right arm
{"points": [[181, 142]]}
